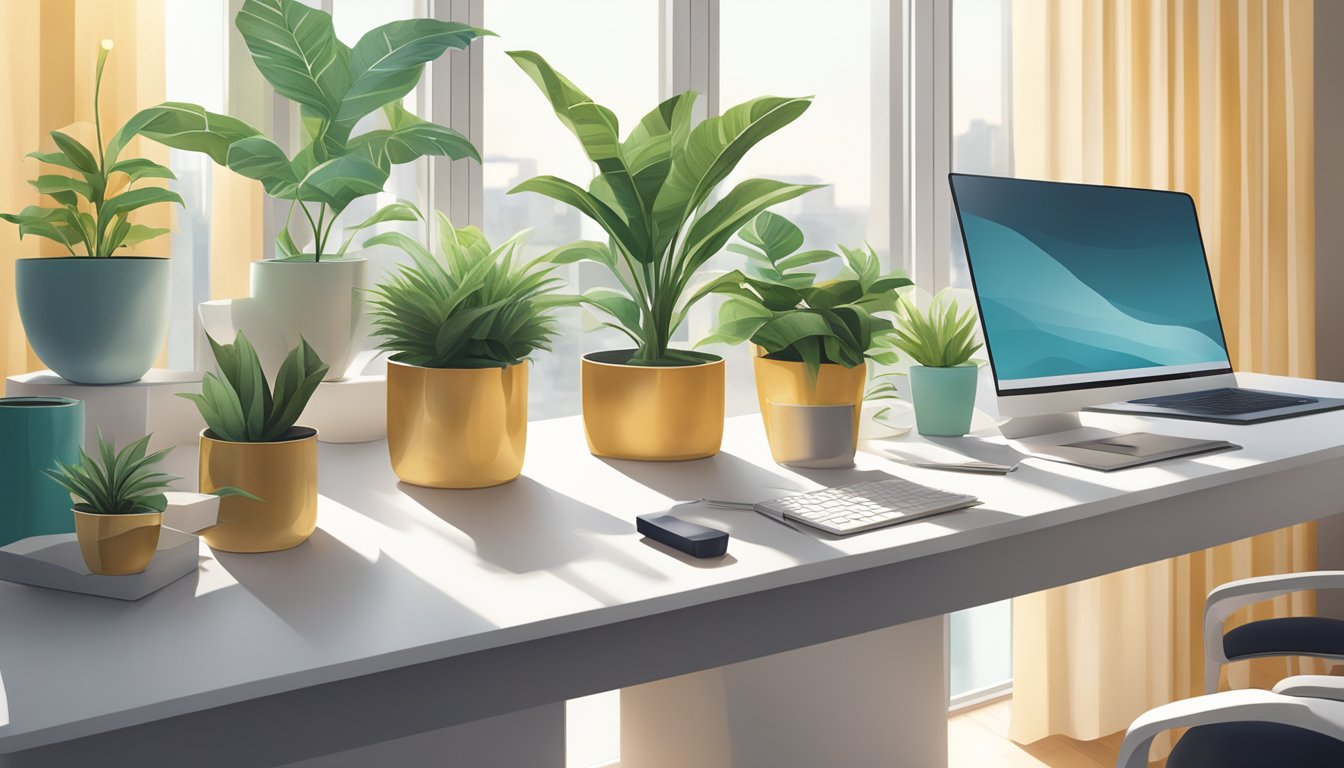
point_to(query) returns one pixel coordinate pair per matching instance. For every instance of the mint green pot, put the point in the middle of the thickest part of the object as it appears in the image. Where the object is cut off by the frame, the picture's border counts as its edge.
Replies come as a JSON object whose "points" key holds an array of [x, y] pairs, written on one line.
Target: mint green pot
{"points": [[944, 399], [34, 432], [95, 321]]}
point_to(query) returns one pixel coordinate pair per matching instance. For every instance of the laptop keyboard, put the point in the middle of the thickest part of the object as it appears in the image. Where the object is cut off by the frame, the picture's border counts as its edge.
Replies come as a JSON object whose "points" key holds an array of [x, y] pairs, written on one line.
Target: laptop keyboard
{"points": [[1226, 401]]}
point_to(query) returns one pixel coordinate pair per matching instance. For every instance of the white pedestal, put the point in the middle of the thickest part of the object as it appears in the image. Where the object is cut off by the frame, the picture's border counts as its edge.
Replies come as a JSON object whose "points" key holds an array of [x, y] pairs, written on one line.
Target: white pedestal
{"points": [[876, 700], [352, 410], [126, 412]]}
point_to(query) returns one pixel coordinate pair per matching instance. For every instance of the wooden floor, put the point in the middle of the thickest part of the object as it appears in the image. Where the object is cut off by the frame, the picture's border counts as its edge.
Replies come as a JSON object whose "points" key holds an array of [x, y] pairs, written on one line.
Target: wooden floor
{"points": [[978, 738]]}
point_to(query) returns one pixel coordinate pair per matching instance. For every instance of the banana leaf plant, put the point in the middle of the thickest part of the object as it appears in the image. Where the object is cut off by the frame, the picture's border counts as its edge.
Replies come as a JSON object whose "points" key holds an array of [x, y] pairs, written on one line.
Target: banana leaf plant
{"points": [[94, 202], [652, 197], [779, 305], [296, 49]]}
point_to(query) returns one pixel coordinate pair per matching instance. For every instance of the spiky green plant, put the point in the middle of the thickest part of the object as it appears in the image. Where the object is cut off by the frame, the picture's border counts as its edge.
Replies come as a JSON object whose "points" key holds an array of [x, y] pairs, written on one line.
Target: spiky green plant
{"points": [[475, 307], [778, 305], [939, 338], [117, 482], [240, 406], [87, 216], [653, 198]]}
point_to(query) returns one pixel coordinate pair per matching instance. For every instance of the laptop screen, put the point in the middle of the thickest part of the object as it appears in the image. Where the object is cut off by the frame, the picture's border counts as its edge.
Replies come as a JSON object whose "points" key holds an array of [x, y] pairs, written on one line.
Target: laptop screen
{"points": [[1082, 285]]}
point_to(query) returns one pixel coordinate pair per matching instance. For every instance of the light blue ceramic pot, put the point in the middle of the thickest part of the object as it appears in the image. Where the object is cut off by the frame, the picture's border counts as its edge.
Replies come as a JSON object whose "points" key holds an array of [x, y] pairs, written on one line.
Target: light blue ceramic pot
{"points": [[95, 321], [34, 432], [944, 399]]}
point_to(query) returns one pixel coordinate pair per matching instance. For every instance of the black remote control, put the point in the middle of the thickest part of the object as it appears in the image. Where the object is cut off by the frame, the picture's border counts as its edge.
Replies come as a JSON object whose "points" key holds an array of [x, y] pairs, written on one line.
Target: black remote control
{"points": [[694, 540]]}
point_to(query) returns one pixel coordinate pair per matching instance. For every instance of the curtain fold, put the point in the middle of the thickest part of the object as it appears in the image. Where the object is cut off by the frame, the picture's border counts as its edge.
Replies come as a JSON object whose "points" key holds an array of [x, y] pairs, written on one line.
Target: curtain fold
{"points": [[47, 54], [1211, 97]]}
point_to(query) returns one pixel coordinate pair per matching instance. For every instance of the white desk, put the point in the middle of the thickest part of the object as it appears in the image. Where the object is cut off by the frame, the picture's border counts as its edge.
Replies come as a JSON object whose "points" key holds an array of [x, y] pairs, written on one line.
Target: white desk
{"points": [[411, 610]]}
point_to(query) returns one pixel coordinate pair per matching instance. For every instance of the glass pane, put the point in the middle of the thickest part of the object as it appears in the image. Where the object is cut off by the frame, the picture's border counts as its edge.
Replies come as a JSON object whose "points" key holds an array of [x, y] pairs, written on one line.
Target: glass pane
{"points": [[608, 48], [194, 64], [981, 638]]}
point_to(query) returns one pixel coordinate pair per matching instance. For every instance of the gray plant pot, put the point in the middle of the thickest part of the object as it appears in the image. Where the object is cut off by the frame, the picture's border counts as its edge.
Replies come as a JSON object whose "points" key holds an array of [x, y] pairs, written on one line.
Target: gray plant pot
{"points": [[95, 320]]}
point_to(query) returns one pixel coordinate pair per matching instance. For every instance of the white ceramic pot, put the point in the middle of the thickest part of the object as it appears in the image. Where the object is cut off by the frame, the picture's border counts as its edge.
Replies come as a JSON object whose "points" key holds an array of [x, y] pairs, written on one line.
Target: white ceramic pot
{"points": [[320, 301]]}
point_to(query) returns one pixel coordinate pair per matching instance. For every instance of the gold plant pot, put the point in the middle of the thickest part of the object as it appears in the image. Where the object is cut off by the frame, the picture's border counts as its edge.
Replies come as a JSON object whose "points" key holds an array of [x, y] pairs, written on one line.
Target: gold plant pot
{"points": [[117, 545], [283, 474], [782, 381], [651, 413], [456, 427]]}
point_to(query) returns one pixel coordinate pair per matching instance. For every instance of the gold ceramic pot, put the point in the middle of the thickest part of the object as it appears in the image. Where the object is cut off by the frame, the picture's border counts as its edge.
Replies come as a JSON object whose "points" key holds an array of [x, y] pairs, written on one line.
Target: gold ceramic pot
{"points": [[456, 427], [117, 545], [283, 474], [651, 413], [783, 381]]}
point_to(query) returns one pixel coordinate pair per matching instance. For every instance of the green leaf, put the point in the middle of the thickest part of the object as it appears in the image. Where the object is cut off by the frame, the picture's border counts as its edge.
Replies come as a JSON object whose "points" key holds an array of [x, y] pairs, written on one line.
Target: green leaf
{"points": [[187, 126], [139, 233], [411, 139], [78, 154], [295, 384], [590, 206], [134, 199], [117, 482], [618, 305], [54, 185], [138, 168], [296, 50], [775, 235], [387, 62], [712, 230], [257, 157], [713, 150], [340, 180]]}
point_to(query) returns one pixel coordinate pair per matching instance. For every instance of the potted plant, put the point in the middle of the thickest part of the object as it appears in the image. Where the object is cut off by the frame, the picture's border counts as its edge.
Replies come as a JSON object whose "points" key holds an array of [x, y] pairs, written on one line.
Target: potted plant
{"points": [[313, 292], [943, 379], [92, 318], [652, 197], [461, 329], [250, 441], [812, 338]]}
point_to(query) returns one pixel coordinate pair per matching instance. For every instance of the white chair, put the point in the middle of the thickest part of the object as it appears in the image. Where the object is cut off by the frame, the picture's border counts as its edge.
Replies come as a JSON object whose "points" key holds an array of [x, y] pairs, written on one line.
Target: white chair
{"points": [[1300, 724], [1314, 636]]}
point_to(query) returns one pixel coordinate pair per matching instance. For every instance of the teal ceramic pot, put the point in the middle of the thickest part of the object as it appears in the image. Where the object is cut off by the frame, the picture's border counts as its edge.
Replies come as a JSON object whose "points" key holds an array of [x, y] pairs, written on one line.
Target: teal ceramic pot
{"points": [[34, 432], [944, 399], [95, 321]]}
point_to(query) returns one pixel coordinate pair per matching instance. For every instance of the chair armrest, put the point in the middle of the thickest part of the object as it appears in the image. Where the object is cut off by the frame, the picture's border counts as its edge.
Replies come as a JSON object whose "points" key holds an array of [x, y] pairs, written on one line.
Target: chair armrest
{"points": [[1320, 715], [1312, 686], [1223, 601]]}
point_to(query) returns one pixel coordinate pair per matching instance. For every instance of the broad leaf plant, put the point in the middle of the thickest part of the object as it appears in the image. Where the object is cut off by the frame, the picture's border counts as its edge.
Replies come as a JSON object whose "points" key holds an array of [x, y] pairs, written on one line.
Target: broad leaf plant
{"points": [[336, 85], [780, 306], [653, 196]]}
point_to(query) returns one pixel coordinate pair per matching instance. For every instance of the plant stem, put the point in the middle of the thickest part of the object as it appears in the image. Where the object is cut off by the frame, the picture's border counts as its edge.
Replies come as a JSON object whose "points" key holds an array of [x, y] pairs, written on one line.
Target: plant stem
{"points": [[309, 217], [319, 235]]}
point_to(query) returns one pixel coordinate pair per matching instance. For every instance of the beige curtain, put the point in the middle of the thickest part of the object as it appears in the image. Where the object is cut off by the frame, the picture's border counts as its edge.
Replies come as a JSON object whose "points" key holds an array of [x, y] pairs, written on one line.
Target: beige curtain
{"points": [[1212, 97], [47, 54]]}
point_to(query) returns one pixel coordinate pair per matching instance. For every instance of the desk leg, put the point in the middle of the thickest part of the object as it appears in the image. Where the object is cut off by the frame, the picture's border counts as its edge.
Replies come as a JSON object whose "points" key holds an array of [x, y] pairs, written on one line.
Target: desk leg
{"points": [[878, 699]]}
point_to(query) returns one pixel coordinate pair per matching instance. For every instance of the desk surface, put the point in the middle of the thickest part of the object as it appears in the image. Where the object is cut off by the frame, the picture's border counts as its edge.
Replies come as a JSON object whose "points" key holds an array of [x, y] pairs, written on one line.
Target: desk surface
{"points": [[397, 575]]}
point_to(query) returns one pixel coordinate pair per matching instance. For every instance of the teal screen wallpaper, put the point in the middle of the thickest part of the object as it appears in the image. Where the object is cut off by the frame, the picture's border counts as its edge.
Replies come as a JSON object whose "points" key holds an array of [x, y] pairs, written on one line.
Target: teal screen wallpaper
{"points": [[1079, 283]]}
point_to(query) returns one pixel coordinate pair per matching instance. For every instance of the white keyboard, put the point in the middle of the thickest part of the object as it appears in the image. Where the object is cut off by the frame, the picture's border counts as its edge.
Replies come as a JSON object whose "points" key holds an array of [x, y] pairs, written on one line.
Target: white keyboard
{"points": [[864, 506]]}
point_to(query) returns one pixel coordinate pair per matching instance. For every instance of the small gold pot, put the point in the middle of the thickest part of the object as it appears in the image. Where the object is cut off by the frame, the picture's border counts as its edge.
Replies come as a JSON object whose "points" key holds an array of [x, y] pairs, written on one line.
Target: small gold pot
{"points": [[651, 413], [456, 427], [783, 381], [117, 545], [283, 474]]}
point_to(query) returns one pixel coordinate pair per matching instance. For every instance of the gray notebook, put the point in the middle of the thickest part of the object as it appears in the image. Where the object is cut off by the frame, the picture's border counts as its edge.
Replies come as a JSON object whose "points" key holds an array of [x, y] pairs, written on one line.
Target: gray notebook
{"points": [[1124, 451]]}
